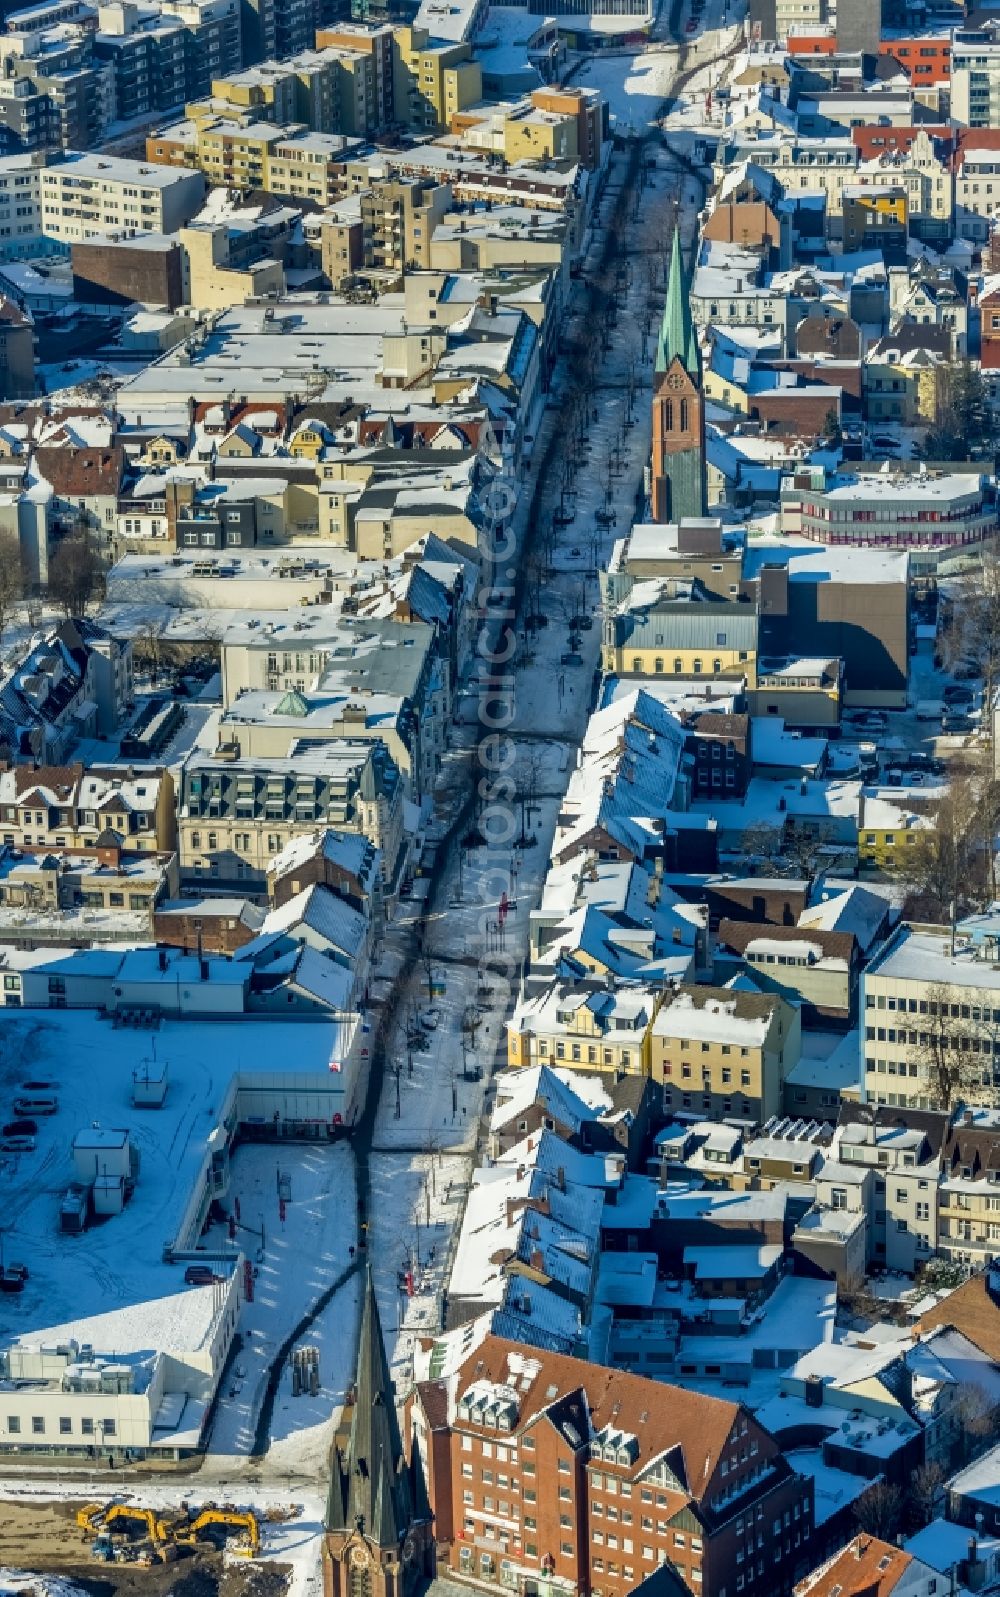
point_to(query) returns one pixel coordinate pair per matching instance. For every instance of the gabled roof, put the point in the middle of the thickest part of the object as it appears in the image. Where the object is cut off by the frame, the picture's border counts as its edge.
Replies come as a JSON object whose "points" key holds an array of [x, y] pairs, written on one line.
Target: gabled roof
{"points": [[866, 1567], [81, 473], [664, 1420]]}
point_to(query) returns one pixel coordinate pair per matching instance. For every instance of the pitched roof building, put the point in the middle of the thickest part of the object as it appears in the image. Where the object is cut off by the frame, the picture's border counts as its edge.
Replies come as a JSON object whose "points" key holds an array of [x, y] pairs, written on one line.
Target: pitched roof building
{"points": [[604, 1478]]}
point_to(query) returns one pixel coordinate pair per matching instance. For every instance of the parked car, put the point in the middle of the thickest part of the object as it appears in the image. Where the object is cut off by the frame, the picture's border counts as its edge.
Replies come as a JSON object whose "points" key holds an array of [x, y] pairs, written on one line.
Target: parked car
{"points": [[35, 1104], [199, 1275]]}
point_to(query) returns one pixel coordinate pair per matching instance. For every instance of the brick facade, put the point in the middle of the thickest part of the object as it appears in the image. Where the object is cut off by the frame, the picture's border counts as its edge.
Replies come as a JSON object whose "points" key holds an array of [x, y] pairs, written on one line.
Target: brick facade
{"points": [[546, 1471], [678, 474]]}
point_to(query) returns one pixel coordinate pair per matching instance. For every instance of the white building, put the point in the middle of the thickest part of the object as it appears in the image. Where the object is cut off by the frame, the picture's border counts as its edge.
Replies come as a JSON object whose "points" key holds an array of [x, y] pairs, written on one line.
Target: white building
{"points": [[917, 995], [20, 206], [84, 195], [132, 1368]]}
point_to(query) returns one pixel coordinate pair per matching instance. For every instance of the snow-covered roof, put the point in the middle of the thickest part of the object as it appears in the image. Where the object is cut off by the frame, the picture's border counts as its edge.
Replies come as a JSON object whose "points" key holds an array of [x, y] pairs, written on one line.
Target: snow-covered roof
{"points": [[568, 1097], [712, 1015]]}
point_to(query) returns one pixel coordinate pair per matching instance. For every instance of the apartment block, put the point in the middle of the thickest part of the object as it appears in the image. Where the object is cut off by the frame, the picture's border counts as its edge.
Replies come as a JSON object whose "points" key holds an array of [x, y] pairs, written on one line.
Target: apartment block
{"points": [[83, 195], [235, 815], [975, 77], [376, 41], [543, 1468], [432, 81]]}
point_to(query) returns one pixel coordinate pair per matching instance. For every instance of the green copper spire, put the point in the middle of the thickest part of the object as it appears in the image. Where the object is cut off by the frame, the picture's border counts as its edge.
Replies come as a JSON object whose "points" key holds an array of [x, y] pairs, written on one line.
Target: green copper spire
{"points": [[677, 335]]}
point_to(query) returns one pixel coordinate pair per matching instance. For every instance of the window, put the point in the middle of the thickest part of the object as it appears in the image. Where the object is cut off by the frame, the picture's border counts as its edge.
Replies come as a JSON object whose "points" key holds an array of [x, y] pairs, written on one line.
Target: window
{"points": [[65, 1425], [37, 1425], [14, 1424]]}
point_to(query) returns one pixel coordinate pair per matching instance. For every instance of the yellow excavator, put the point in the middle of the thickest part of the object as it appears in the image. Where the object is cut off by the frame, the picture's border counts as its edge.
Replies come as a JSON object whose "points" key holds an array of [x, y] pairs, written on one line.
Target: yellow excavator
{"points": [[226, 1519], [101, 1520]]}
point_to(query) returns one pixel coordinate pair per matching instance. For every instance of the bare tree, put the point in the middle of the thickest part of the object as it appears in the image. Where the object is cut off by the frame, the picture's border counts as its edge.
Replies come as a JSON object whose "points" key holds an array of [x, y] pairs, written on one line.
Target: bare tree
{"points": [[975, 1417], [798, 848], [76, 577], [11, 577], [878, 1510], [528, 778], [148, 649], [925, 1489], [955, 1045], [949, 864], [763, 841]]}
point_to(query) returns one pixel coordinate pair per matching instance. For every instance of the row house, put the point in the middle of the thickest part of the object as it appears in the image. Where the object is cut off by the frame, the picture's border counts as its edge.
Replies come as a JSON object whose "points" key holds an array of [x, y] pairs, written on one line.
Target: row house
{"points": [[724, 1051], [71, 807], [595, 1031], [236, 815], [969, 1190]]}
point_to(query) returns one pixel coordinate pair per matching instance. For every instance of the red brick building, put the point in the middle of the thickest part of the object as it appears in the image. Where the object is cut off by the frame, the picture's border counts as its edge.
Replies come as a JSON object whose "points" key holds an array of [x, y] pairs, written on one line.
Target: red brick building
{"points": [[545, 1470], [989, 308]]}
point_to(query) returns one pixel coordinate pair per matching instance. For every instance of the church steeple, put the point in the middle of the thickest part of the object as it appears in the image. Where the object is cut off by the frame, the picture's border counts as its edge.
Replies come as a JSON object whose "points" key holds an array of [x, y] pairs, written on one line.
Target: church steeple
{"points": [[677, 469], [370, 1492], [677, 338]]}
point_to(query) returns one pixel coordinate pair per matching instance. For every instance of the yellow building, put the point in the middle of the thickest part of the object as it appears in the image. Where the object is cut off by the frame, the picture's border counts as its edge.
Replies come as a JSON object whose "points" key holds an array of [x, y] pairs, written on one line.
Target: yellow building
{"points": [[892, 826], [876, 216], [432, 81], [718, 1051], [802, 692], [305, 166], [531, 134], [268, 91], [592, 1031], [677, 637]]}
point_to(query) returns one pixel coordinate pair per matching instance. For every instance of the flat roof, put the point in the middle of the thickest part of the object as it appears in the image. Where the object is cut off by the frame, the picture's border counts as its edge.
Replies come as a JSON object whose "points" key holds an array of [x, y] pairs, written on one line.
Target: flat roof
{"points": [[115, 169], [89, 1062]]}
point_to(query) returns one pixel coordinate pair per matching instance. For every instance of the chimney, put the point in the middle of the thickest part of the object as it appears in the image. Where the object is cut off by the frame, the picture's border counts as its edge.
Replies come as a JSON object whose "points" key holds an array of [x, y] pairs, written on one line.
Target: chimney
{"points": [[161, 955], [537, 1259]]}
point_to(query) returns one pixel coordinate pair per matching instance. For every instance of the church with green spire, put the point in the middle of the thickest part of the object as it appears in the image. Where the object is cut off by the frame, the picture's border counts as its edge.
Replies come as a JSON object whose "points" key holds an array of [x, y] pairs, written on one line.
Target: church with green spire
{"points": [[678, 481], [379, 1540]]}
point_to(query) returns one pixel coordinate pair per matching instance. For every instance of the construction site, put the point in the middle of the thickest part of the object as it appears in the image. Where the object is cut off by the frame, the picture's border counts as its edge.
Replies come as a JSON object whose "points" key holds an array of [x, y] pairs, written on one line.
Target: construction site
{"points": [[115, 1547]]}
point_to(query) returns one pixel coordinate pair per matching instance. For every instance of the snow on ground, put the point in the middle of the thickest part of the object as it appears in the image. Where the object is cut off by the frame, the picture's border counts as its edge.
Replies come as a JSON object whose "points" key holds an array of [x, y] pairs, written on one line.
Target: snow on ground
{"points": [[421, 1164], [19, 1580], [302, 1255], [417, 1202], [294, 1540], [635, 84], [199, 727], [118, 1265]]}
